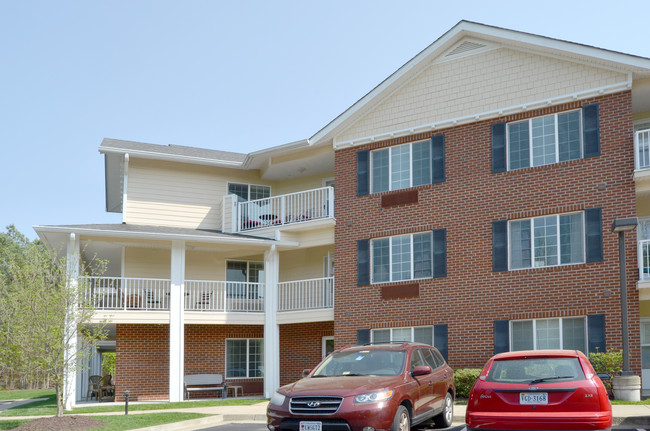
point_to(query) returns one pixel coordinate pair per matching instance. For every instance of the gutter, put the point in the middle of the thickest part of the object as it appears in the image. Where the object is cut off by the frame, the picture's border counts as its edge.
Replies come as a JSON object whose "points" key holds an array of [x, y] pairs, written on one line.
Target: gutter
{"points": [[165, 236]]}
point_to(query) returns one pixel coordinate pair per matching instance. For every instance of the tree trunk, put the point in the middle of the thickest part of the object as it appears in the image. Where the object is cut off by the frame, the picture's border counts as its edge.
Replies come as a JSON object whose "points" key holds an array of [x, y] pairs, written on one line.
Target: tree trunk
{"points": [[59, 400]]}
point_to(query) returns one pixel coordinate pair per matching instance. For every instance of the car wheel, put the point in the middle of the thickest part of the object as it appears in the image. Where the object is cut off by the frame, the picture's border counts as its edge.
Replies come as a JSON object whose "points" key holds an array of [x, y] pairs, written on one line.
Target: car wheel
{"points": [[402, 421], [444, 419]]}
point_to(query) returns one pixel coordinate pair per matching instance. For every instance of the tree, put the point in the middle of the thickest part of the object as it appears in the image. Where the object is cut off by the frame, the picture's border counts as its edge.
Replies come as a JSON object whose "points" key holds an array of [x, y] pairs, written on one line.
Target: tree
{"points": [[45, 313]]}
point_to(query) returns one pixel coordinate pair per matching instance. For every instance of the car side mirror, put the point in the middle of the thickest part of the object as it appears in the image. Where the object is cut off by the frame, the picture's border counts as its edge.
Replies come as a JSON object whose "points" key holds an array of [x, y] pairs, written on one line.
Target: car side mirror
{"points": [[421, 370], [306, 372]]}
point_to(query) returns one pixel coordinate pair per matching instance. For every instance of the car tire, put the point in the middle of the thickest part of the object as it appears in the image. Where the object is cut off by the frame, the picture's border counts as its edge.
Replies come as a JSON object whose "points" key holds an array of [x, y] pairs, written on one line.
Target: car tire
{"points": [[444, 419], [402, 421]]}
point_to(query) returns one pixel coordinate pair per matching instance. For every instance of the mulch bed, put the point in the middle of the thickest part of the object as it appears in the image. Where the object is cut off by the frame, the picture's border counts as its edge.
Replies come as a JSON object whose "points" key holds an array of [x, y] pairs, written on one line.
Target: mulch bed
{"points": [[68, 422]]}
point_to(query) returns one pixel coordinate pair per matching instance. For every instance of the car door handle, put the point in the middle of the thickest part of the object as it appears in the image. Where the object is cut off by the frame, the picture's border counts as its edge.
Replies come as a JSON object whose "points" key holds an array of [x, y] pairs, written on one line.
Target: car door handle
{"points": [[430, 383]]}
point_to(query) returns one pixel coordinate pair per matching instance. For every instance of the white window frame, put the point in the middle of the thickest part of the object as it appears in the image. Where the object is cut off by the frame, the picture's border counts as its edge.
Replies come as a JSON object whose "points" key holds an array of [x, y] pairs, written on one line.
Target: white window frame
{"points": [[248, 354], [532, 239], [390, 166], [390, 258], [530, 139], [561, 329], [324, 341], [228, 183], [412, 328]]}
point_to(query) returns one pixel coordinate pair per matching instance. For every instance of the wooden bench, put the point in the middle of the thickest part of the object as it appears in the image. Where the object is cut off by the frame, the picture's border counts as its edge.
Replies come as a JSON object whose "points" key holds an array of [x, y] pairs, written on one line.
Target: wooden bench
{"points": [[204, 383]]}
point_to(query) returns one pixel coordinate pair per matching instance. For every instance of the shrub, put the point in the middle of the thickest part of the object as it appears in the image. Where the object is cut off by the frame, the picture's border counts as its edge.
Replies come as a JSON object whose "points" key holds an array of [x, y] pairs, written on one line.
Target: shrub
{"points": [[610, 362], [464, 379]]}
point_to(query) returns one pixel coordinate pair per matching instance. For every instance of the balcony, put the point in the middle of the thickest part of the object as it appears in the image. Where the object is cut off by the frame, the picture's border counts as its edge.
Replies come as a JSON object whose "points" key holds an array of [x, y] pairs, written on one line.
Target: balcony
{"points": [[148, 294], [277, 211]]}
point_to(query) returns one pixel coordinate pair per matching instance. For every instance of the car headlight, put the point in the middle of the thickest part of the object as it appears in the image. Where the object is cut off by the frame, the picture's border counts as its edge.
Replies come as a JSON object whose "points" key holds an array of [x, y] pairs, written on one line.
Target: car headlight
{"points": [[277, 399], [373, 397]]}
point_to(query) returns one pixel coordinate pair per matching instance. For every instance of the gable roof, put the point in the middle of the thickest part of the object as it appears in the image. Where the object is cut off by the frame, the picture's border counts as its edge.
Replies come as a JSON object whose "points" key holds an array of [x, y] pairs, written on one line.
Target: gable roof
{"points": [[467, 36]]}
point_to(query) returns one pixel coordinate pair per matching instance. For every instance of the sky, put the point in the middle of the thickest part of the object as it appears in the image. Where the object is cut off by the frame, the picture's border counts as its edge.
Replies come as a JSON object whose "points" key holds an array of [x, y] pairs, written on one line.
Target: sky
{"points": [[237, 75]]}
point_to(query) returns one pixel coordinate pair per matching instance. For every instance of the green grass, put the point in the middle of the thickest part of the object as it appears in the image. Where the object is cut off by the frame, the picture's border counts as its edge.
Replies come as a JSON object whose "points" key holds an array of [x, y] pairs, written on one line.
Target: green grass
{"points": [[25, 394], [631, 403], [7, 425], [48, 406], [122, 422], [167, 406]]}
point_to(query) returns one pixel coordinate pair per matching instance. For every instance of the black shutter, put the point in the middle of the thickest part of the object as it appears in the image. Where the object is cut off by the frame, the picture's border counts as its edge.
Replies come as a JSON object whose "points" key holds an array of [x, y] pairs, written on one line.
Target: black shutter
{"points": [[438, 159], [596, 333], [440, 340], [499, 148], [363, 337], [500, 245], [590, 131], [439, 253], [363, 173], [594, 235], [363, 262], [501, 336]]}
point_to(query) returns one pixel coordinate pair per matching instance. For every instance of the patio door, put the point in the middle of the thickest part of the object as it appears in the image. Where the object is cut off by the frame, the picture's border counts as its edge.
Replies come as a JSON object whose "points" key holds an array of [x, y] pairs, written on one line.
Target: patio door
{"points": [[645, 354]]}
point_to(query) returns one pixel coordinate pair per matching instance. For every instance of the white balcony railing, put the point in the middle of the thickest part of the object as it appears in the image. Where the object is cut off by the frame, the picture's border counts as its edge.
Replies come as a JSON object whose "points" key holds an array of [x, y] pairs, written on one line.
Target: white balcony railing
{"points": [[148, 294], [644, 260], [317, 293], [642, 149], [224, 296], [286, 209], [116, 293]]}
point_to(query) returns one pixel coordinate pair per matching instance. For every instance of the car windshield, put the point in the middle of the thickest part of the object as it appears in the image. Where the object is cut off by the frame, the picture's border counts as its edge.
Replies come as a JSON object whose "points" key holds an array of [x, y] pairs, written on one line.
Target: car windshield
{"points": [[535, 370], [362, 363]]}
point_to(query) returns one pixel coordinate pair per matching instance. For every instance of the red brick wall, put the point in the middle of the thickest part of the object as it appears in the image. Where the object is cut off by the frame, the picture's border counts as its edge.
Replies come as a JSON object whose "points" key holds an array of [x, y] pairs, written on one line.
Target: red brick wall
{"points": [[301, 347], [142, 362], [142, 358], [471, 297]]}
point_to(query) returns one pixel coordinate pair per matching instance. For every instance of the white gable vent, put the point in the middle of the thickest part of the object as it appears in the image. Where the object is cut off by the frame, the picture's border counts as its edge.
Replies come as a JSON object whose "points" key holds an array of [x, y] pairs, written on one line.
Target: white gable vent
{"points": [[465, 47]]}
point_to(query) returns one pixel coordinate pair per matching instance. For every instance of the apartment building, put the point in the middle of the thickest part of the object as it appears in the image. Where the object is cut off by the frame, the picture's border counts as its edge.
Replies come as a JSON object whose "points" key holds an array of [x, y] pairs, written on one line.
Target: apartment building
{"points": [[475, 192]]}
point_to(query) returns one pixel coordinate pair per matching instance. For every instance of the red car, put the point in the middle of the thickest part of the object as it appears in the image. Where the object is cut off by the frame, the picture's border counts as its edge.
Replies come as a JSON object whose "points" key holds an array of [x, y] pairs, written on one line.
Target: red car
{"points": [[535, 390], [368, 388]]}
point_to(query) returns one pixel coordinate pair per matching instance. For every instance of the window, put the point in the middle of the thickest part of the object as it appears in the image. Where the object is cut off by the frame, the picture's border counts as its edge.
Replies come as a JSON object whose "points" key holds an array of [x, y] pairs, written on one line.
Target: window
{"points": [[245, 279], [544, 140], [544, 334], [400, 166], [404, 257], [249, 192], [245, 358], [547, 241], [421, 334]]}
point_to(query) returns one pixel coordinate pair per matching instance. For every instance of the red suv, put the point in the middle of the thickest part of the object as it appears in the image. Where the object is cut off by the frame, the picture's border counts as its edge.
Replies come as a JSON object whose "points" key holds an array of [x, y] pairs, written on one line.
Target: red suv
{"points": [[368, 388]]}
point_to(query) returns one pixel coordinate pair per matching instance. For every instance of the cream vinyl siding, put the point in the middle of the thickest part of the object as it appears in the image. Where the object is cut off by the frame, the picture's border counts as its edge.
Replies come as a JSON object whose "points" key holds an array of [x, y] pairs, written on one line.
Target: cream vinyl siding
{"points": [[147, 262], [300, 184], [478, 83], [178, 194], [303, 264]]}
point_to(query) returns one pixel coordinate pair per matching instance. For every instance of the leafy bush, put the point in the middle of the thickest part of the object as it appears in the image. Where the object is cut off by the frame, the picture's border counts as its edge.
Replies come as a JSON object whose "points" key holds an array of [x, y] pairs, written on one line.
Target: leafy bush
{"points": [[610, 362], [464, 379]]}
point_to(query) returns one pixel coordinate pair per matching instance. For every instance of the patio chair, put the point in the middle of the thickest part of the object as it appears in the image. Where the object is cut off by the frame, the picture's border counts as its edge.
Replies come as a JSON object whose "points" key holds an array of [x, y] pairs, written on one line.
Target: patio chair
{"points": [[94, 388], [106, 387]]}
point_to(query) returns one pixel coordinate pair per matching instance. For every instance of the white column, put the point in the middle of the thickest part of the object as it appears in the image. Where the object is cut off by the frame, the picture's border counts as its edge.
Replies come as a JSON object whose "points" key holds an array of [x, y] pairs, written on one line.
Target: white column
{"points": [[271, 328], [176, 324], [125, 184], [70, 375]]}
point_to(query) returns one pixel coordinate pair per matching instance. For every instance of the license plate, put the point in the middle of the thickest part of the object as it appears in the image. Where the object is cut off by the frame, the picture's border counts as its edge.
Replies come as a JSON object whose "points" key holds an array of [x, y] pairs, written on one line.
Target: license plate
{"points": [[533, 398], [311, 426]]}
